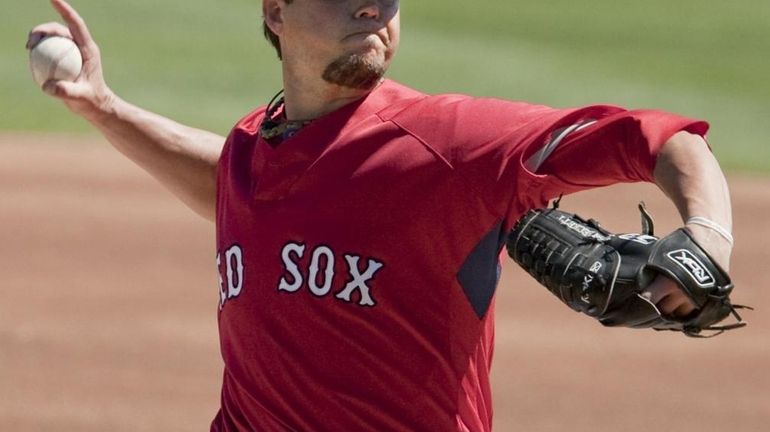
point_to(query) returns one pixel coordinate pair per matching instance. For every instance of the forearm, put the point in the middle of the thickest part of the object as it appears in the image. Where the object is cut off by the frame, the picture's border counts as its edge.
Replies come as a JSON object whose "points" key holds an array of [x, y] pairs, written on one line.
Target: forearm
{"points": [[182, 158], [690, 176]]}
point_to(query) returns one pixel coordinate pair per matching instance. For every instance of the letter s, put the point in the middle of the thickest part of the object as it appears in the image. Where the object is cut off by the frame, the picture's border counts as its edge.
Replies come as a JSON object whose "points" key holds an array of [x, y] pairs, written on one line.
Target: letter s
{"points": [[291, 267]]}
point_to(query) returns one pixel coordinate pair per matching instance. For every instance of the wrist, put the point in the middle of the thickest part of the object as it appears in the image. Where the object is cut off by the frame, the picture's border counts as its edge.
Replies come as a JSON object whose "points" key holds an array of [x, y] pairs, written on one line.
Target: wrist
{"points": [[103, 108], [713, 243]]}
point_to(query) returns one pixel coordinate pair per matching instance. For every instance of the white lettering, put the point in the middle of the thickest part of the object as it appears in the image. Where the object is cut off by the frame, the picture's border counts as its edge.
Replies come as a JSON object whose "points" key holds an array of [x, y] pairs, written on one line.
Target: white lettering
{"points": [[230, 271], [291, 267], [639, 238], [234, 262], [328, 273], [582, 229], [693, 267], [359, 280], [596, 267], [222, 293]]}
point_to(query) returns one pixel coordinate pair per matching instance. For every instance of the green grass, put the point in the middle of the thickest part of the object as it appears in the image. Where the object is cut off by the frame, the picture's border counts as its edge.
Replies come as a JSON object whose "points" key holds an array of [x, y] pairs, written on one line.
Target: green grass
{"points": [[205, 63]]}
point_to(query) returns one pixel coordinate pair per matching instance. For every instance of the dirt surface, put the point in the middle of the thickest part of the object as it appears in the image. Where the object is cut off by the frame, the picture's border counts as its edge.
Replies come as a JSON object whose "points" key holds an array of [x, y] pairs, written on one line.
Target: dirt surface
{"points": [[108, 314]]}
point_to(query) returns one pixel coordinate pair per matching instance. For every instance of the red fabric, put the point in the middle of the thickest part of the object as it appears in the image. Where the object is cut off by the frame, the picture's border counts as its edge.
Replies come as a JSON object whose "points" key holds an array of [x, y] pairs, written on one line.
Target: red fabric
{"points": [[405, 186]]}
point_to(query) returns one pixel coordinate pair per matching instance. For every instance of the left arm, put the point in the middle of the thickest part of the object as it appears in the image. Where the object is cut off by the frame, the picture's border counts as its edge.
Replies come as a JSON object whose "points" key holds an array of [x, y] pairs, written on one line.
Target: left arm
{"points": [[690, 176]]}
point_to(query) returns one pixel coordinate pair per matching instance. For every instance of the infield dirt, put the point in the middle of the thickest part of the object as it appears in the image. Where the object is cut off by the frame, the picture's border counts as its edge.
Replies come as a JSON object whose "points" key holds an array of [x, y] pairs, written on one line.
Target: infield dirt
{"points": [[109, 297]]}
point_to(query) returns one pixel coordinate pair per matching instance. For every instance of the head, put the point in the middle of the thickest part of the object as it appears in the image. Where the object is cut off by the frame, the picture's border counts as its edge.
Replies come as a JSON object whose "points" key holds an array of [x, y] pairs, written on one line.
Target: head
{"points": [[344, 42]]}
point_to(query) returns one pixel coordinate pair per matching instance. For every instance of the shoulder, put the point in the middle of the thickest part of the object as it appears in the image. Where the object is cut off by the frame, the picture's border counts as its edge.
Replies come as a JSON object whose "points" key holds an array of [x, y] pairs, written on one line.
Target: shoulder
{"points": [[249, 124], [454, 121], [246, 130], [243, 136], [453, 107]]}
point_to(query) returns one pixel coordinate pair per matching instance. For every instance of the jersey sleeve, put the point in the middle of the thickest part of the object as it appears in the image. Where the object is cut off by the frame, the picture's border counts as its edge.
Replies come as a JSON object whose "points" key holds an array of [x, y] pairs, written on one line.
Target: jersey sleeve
{"points": [[595, 146]]}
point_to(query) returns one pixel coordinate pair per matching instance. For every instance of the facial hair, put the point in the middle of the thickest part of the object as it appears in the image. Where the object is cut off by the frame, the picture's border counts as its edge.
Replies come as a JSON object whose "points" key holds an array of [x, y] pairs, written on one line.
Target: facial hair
{"points": [[357, 71]]}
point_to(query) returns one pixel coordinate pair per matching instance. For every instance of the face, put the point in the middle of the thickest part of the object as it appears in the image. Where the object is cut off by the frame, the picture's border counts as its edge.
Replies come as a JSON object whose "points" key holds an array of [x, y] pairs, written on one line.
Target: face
{"points": [[345, 42]]}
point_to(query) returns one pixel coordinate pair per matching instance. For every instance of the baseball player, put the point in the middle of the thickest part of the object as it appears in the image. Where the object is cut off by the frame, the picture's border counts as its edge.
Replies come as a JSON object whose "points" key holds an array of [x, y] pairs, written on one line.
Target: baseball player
{"points": [[360, 222]]}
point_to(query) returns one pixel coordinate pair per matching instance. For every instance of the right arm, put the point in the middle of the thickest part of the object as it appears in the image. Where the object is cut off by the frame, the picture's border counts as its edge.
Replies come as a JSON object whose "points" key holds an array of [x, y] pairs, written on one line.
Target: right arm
{"points": [[182, 158]]}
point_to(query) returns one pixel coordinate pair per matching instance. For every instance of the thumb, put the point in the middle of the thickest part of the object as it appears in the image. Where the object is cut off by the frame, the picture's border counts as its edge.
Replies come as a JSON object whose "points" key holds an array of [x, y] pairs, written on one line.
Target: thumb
{"points": [[65, 89]]}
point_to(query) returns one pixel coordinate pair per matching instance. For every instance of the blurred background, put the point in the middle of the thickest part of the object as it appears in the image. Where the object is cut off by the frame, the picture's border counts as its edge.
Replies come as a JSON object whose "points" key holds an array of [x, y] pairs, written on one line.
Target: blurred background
{"points": [[205, 63], [108, 290]]}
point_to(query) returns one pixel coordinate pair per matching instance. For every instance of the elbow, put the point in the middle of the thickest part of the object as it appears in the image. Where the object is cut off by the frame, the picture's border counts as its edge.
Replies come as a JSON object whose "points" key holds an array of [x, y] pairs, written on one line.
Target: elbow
{"points": [[681, 154]]}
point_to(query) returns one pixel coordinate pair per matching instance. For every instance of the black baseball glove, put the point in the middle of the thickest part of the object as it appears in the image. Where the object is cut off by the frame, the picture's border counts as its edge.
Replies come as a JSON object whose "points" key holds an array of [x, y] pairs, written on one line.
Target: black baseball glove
{"points": [[604, 275]]}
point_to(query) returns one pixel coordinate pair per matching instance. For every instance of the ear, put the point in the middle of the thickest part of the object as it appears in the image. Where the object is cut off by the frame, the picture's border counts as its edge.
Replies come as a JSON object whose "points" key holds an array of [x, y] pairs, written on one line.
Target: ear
{"points": [[272, 11]]}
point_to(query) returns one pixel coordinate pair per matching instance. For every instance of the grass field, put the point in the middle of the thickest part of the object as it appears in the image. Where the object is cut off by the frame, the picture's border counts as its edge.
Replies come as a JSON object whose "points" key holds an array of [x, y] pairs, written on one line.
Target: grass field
{"points": [[205, 63]]}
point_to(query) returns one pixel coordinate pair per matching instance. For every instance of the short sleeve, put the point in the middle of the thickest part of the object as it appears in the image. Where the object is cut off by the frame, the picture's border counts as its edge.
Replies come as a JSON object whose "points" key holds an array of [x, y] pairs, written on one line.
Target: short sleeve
{"points": [[595, 146], [488, 142]]}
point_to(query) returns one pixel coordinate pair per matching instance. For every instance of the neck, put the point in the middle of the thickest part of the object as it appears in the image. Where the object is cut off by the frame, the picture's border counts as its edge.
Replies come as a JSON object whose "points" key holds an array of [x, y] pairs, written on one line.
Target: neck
{"points": [[310, 98]]}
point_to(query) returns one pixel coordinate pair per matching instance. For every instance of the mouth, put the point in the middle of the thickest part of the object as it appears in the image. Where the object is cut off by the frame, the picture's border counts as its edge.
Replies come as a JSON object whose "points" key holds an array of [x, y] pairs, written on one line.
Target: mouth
{"points": [[382, 36]]}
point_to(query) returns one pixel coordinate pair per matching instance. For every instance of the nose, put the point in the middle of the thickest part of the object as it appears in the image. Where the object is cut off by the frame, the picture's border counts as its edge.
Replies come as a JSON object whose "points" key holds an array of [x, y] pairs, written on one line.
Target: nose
{"points": [[369, 10]]}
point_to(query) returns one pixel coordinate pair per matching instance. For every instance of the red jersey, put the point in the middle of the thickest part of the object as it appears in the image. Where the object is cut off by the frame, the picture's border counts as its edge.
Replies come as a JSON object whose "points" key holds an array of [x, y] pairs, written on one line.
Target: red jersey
{"points": [[359, 258]]}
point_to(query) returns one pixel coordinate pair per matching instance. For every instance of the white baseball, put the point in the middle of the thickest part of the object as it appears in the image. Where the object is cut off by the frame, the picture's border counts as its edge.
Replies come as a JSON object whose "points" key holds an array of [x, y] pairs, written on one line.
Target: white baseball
{"points": [[56, 58]]}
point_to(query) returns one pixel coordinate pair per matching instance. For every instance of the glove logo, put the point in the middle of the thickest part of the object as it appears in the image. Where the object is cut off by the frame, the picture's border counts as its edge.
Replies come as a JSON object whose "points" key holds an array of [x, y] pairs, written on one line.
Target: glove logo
{"points": [[587, 279], [582, 229], [639, 238], [693, 267], [596, 267]]}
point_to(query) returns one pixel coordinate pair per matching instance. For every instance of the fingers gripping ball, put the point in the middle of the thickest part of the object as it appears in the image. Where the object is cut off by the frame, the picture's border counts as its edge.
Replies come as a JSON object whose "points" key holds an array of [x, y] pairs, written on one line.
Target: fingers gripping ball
{"points": [[55, 58], [604, 275]]}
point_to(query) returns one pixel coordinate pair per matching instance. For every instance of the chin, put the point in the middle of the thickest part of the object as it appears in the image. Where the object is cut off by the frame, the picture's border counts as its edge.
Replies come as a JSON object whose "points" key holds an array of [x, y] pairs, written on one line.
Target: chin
{"points": [[357, 70]]}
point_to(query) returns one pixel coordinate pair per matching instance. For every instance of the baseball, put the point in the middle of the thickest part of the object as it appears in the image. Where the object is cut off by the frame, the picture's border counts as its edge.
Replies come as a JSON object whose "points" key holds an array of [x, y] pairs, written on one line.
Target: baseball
{"points": [[57, 58]]}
